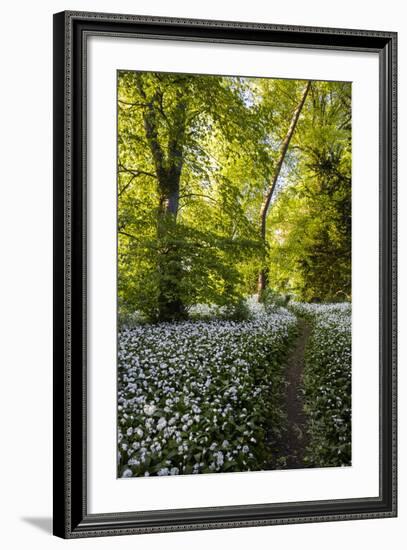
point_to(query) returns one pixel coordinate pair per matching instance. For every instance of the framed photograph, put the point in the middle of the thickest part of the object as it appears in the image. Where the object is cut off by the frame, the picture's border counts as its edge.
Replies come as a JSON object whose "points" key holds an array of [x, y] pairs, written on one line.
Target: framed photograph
{"points": [[224, 274]]}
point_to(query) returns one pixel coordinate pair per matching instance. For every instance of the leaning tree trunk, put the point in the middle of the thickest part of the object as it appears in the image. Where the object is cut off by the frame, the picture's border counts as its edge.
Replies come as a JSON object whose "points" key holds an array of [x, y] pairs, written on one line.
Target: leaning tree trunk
{"points": [[263, 278]]}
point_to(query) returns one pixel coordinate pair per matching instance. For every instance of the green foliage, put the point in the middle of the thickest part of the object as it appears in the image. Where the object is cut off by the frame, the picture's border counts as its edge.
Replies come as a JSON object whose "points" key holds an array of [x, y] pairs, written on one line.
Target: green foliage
{"points": [[310, 222], [195, 157], [273, 300], [238, 311]]}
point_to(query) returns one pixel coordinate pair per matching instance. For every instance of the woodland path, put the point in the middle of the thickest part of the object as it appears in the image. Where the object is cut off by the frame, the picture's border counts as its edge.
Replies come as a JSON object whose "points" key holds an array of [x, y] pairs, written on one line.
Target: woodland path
{"points": [[289, 451]]}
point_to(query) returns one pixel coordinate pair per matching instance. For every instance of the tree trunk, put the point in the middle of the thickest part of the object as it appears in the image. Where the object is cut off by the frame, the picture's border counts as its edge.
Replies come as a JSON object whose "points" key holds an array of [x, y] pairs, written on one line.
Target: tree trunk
{"points": [[262, 282], [263, 274], [169, 261], [168, 166]]}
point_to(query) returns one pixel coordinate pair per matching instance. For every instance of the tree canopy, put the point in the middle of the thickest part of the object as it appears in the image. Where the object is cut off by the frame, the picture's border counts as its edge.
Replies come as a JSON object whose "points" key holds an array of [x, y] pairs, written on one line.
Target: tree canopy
{"points": [[199, 157]]}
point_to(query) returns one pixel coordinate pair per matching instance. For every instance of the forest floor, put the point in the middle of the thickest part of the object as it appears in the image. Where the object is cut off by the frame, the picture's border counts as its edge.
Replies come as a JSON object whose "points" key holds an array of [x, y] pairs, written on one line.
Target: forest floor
{"points": [[289, 450]]}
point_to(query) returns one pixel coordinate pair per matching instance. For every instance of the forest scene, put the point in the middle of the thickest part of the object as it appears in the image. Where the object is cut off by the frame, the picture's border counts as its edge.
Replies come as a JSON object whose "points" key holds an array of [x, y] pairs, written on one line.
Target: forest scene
{"points": [[234, 273]]}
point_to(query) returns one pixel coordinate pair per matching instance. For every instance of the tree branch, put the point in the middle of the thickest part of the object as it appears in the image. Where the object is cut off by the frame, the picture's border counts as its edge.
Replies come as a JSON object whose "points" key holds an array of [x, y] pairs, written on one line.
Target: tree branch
{"points": [[131, 105], [197, 195], [128, 235], [135, 174]]}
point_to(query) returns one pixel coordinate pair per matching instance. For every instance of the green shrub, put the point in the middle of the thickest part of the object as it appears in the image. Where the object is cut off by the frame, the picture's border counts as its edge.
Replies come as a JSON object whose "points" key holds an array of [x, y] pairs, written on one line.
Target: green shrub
{"points": [[238, 311], [273, 300]]}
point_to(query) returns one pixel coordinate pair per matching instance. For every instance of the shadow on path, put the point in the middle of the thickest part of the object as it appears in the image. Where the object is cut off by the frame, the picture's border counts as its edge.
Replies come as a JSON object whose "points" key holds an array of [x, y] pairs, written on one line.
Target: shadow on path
{"points": [[288, 452]]}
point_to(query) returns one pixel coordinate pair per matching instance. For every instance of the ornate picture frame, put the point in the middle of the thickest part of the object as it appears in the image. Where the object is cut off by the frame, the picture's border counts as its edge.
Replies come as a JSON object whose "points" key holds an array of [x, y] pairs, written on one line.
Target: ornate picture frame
{"points": [[72, 517]]}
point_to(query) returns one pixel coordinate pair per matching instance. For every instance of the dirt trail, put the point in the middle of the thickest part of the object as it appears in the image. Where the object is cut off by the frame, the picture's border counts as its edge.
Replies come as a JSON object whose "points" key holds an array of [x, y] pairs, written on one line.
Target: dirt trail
{"points": [[289, 451]]}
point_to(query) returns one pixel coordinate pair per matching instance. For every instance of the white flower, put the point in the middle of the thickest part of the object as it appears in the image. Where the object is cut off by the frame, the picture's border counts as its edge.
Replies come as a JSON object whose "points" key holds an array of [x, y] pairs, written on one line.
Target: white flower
{"points": [[201, 368], [149, 409], [127, 473], [161, 423], [219, 458]]}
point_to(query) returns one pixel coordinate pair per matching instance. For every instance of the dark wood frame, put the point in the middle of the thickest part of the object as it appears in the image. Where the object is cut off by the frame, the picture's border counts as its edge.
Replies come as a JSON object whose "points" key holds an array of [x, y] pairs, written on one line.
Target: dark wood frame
{"points": [[71, 518]]}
